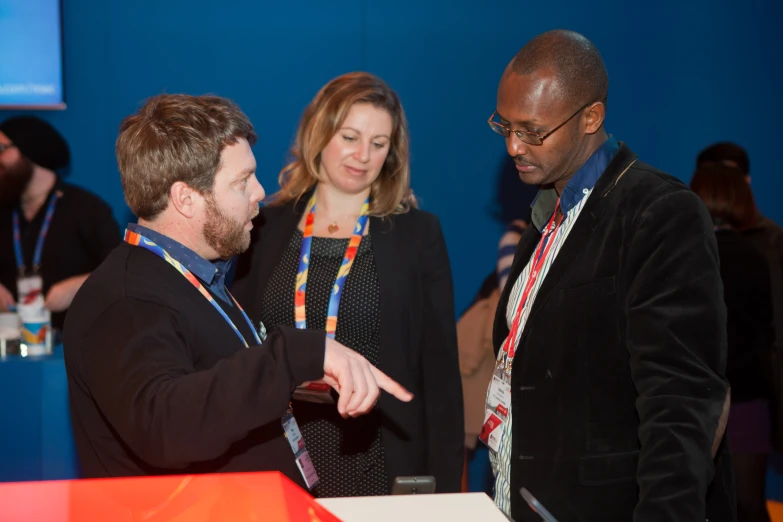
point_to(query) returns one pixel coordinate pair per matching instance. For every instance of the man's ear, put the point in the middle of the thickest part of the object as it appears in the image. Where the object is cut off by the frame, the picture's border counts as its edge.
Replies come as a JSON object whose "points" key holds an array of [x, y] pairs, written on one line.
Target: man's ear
{"points": [[184, 199], [594, 117]]}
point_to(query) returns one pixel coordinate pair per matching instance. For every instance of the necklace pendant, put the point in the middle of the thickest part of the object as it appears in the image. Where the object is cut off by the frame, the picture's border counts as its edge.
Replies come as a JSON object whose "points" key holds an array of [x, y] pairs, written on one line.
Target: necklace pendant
{"points": [[333, 227]]}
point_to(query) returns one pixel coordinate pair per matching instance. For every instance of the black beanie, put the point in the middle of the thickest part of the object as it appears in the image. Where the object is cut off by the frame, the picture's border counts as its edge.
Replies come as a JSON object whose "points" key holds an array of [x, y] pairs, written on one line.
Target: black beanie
{"points": [[38, 141]]}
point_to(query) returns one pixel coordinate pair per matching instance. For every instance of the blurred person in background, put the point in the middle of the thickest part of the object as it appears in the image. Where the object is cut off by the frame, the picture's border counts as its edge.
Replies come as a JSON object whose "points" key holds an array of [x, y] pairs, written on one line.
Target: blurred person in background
{"points": [[747, 294], [48, 228]]}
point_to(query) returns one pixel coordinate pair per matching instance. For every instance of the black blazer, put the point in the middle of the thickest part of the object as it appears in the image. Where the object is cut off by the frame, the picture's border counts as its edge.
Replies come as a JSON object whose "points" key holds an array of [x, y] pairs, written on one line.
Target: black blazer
{"points": [[747, 293], [418, 334], [618, 381]]}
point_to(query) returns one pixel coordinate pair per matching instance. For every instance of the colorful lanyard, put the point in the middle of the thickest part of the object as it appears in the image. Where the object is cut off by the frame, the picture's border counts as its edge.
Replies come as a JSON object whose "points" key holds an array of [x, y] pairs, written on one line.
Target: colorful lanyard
{"points": [[509, 347], [300, 316], [41, 236], [137, 239]]}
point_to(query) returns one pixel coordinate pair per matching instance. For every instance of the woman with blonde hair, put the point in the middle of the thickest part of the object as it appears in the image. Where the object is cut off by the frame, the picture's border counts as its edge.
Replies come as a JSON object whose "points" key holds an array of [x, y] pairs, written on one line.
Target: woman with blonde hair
{"points": [[343, 247]]}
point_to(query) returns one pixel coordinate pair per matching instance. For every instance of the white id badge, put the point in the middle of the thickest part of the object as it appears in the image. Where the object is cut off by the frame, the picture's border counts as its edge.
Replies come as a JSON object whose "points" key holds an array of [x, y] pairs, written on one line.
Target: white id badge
{"points": [[491, 431], [36, 319], [292, 433], [307, 469], [30, 291], [297, 443], [496, 413], [499, 395]]}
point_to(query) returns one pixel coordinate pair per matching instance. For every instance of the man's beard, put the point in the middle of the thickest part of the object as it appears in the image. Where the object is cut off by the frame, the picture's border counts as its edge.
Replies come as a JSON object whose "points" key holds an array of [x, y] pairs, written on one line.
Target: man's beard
{"points": [[14, 180], [225, 236]]}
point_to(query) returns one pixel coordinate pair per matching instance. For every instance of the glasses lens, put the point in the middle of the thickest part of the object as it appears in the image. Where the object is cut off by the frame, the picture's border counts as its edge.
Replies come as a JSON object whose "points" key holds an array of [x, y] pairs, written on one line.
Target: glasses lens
{"points": [[500, 129], [530, 139]]}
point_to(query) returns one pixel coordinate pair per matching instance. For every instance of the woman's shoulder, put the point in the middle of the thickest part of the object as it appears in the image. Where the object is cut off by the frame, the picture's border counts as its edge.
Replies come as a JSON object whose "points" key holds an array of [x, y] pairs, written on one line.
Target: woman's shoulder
{"points": [[416, 228], [415, 217]]}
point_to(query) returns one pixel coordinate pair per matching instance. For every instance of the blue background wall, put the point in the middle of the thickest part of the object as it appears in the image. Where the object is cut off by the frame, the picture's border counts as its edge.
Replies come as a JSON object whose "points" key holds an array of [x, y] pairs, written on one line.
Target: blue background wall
{"points": [[683, 74]]}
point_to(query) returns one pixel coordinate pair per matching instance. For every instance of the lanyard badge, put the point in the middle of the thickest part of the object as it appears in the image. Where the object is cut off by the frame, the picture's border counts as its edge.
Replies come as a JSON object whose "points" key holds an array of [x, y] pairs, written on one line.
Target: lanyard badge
{"points": [[301, 455], [31, 306], [497, 408], [317, 391], [35, 317], [137, 239], [41, 237], [290, 427], [498, 402]]}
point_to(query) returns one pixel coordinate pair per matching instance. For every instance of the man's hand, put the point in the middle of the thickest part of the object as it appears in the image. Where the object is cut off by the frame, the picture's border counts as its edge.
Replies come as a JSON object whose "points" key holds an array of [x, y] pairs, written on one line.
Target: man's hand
{"points": [[356, 380], [6, 299], [61, 295]]}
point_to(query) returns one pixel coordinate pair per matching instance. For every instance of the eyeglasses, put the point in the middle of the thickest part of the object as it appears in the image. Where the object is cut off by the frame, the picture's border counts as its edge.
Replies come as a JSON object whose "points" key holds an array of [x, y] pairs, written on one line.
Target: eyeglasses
{"points": [[5, 146], [531, 138]]}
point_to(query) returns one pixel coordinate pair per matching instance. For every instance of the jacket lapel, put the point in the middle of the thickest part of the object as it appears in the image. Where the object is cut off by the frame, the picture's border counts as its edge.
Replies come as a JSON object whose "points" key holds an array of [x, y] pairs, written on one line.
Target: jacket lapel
{"points": [[569, 253], [388, 250], [525, 248], [274, 239], [580, 233]]}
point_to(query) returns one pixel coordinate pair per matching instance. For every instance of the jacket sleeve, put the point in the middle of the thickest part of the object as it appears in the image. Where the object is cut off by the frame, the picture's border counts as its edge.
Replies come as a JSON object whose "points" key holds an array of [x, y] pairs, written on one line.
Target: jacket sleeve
{"points": [[441, 381], [676, 335], [138, 368]]}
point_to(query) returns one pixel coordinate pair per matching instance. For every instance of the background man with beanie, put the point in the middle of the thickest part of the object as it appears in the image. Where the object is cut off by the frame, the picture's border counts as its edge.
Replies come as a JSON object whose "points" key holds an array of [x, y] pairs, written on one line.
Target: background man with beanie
{"points": [[82, 230]]}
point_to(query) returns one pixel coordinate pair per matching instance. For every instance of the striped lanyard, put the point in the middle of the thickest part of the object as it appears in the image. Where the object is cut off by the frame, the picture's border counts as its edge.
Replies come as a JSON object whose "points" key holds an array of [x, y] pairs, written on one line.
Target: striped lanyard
{"points": [[41, 236], [300, 316], [137, 239], [537, 263]]}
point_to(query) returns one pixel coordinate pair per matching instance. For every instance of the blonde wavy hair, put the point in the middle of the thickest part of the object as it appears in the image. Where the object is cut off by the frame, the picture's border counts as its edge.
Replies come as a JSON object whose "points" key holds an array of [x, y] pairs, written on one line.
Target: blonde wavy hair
{"points": [[391, 192]]}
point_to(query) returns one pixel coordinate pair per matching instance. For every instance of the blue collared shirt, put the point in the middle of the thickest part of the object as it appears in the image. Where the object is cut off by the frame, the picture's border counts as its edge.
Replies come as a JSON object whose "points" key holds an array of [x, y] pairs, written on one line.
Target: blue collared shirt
{"points": [[581, 183], [212, 274]]}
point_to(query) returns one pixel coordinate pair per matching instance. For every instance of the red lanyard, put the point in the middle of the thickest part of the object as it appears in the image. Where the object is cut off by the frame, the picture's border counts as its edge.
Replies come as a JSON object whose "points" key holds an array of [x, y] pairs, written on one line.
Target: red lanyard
{"points": [[538, 262]]}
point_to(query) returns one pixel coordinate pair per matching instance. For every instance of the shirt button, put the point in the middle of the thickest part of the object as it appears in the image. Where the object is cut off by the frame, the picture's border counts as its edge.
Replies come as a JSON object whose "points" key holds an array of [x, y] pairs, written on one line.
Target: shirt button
{"points": [[585, 191]]}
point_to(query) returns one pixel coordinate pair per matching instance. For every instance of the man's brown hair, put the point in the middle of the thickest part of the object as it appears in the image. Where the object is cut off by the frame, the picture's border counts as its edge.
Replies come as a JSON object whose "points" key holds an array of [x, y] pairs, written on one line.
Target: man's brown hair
{"points": [[175, 137]]}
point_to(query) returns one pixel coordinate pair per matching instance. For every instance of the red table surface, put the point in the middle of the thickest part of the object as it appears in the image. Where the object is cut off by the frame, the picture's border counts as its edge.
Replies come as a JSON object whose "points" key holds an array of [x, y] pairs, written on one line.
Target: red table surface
{"points": [[234, 497]]}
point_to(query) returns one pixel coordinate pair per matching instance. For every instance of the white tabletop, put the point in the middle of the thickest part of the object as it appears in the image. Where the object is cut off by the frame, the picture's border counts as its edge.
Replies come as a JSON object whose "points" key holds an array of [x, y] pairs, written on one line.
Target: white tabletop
{"points": [[415, 508]]}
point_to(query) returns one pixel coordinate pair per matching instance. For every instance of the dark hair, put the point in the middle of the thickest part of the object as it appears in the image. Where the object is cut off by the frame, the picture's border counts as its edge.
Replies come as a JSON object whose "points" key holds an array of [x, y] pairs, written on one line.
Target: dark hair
{"points": [[576, 61], [175, 137], [38, 141], [726, 194], [725, 152]]}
